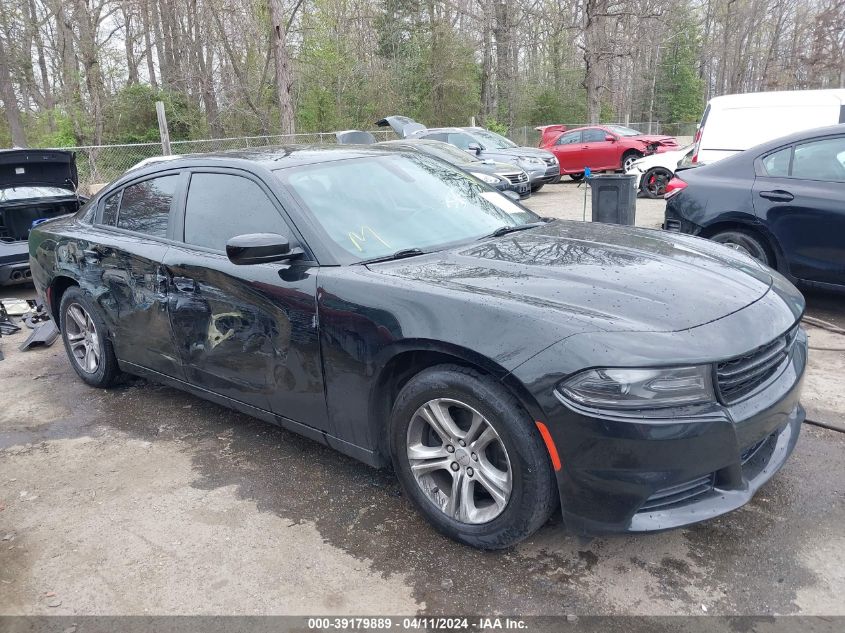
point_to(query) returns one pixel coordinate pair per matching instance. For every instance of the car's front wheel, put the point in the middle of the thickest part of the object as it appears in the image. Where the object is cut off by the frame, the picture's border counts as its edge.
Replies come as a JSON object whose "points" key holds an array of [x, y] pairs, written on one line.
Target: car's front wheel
{"points": [[745, 242], [470, 458], [86, 339], [537, 187]]}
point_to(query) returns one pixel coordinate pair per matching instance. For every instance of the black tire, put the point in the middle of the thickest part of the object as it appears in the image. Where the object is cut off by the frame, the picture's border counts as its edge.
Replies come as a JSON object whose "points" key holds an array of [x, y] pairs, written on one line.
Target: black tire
{"points": [[629, 156], [577, 177], [747, 242], [536, 188], [555, 180], [533, 496], [107, 371], [653, 183]]}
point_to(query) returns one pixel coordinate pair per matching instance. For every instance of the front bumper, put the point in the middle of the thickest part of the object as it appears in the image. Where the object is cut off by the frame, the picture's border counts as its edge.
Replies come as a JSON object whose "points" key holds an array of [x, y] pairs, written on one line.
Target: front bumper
{"points": [[14, 263], [547, 174], [623, 473]]}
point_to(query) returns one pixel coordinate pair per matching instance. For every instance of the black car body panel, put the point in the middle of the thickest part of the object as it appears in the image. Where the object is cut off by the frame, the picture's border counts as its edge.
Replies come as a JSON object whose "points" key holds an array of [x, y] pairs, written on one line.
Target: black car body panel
{"points": [[315, 346], [35, 184], [801, 220]]}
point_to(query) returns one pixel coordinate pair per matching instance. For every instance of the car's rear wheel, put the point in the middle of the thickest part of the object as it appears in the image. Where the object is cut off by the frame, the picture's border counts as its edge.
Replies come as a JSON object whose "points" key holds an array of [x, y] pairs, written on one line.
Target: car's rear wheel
{"points": [[654, 182], [745, 242], [470, 458], [577, 177], [86, 339], [629, 159]]}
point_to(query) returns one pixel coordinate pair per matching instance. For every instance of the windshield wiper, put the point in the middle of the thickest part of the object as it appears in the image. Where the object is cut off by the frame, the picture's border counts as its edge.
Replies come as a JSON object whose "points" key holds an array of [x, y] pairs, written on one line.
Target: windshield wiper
{"points": [[504, 230], [401, 254]]}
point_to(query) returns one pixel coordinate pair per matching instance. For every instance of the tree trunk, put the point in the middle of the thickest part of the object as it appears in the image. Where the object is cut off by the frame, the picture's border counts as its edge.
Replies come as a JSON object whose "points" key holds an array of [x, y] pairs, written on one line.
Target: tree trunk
{"points": [[10, 100], [284, 73]]}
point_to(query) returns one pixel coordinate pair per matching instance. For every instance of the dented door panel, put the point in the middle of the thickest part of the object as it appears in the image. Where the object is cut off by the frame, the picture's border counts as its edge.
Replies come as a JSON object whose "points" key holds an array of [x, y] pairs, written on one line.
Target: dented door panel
{"points": [[248, 332]]}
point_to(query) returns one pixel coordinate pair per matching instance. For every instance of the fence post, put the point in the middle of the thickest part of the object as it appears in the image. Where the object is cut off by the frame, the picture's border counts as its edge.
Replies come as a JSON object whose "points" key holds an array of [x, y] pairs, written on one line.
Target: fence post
{"points": [[162, 128]]}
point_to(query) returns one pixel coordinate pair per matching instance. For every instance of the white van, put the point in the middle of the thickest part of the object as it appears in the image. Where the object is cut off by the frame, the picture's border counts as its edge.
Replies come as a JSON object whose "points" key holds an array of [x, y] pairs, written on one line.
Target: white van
{"points": [[733, 123]]}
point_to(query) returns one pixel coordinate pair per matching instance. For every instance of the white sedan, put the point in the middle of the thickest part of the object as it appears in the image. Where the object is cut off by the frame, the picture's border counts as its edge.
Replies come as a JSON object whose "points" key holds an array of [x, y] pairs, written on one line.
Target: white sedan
{"points": [[655, 170]]}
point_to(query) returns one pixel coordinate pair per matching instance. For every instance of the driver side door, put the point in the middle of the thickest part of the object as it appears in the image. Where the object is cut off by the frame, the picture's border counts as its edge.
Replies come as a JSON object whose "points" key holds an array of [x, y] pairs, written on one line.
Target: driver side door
{"points": [[246, 332]]}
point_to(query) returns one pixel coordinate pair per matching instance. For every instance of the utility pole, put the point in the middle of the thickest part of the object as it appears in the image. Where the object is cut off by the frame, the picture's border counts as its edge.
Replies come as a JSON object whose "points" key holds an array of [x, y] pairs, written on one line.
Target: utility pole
{"points": [[162, 128]]}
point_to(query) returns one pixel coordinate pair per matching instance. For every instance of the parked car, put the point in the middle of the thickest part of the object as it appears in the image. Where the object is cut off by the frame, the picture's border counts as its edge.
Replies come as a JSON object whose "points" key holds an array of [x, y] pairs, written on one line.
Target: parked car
{"points": [[782, 202], [653, 172], [501, 176], [34, 184], [541, 166], [734, 123], [502, 363], [601, 147]]}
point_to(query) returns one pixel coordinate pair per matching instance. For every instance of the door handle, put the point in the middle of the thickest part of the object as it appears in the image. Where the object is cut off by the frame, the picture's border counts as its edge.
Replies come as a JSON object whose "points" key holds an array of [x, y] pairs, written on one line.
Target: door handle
{"points": [[184, 284], [778, 195]]}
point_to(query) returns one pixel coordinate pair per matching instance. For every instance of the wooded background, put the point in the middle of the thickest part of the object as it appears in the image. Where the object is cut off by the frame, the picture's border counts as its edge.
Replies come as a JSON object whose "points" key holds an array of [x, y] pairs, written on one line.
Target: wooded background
{"points": [[75, 72]]}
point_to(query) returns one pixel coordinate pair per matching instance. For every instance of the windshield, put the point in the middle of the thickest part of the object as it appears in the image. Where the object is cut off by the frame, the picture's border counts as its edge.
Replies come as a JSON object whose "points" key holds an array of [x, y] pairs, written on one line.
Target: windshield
{"points": [[11, 194], [378, 205], [492, 140], [449, 153], [621, 130]]}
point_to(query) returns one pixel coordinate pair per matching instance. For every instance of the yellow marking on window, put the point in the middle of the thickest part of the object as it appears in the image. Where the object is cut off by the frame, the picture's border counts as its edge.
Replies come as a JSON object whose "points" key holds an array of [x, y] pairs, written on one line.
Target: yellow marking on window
{"points": [[357, 238]]}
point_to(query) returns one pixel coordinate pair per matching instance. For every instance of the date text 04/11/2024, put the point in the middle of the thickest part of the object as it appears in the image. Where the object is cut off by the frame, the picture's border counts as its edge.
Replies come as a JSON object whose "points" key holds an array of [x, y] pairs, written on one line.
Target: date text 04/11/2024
{"points": [[417, 623]]}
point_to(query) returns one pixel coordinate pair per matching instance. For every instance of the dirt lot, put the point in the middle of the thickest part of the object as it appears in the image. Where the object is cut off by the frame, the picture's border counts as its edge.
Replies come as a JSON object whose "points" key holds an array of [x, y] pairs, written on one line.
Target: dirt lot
{"points": [[143, 500]]}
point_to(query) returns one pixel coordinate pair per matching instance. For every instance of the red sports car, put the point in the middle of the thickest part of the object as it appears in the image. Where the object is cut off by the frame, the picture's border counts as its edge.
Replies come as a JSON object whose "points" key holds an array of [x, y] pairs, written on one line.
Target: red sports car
{"points": [[600, 147]]}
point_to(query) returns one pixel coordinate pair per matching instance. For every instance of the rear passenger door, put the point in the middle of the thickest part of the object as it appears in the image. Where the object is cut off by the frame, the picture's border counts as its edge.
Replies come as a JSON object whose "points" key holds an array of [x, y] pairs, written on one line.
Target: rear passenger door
{"points": [[248, 333], [799, 192], [132, 232]]}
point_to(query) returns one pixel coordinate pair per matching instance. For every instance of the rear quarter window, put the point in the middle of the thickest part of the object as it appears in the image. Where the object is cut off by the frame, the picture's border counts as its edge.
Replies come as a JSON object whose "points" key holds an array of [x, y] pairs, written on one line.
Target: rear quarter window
{"points": [[145, 206]]}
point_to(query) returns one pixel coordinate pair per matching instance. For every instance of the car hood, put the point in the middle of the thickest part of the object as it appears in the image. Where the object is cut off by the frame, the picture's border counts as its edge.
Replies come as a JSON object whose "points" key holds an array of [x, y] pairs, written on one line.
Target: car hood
{"points": [[665, 159], [648, 139], [26, 167], [606, 277], [493, 167], [520, 151]]}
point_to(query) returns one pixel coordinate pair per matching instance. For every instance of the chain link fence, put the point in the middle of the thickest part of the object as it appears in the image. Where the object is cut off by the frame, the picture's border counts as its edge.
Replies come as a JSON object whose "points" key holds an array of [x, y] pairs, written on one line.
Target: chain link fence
{"points": [[100, 164], [530, 137]]}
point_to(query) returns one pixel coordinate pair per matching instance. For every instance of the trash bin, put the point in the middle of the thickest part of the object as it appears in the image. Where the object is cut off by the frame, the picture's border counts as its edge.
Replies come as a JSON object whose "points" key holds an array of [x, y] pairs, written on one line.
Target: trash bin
{"points": [[614, 198]]}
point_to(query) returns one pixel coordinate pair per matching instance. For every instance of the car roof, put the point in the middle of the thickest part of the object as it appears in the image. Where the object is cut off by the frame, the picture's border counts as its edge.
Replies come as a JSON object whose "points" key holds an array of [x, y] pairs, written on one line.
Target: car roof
{"points": [[275, 157]]}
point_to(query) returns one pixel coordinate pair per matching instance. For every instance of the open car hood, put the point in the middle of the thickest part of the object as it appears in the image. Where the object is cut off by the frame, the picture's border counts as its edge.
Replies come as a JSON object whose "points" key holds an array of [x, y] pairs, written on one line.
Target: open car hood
{"points": [[48, 167], [402, 125]]}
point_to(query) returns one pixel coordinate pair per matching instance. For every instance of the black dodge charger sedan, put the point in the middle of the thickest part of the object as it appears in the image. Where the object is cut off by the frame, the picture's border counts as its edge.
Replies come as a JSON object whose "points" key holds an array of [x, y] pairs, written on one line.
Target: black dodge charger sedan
{"points": [[392, 307]]}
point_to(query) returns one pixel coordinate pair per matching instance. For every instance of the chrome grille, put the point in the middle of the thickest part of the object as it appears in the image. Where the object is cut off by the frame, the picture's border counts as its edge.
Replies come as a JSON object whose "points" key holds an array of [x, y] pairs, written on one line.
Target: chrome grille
{"points": [[686, 491], [739, 377], [516, 177]]}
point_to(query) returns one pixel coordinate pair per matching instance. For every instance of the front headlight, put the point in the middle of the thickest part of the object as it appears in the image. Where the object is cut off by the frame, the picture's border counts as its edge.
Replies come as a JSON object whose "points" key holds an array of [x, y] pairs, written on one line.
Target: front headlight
{"points": [[640, 388], [490, 180]]}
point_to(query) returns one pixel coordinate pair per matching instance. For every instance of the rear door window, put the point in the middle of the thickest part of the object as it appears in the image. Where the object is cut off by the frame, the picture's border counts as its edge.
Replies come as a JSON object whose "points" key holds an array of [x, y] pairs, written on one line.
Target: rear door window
{"points": [[570, 138], [820, 160], [221, 206], [145, 206]]}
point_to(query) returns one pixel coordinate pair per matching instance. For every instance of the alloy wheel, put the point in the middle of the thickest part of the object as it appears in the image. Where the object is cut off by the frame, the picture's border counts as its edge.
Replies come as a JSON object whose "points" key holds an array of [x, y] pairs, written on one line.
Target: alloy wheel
{"points": [[82, 338], [459, 461], [629, 161]]}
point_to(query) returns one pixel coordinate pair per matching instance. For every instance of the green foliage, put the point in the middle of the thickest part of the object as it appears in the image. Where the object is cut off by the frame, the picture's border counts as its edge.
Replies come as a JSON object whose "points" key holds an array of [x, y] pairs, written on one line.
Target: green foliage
{"points": [[494, 126], [679, 91], [550, 106], [131, 116]]}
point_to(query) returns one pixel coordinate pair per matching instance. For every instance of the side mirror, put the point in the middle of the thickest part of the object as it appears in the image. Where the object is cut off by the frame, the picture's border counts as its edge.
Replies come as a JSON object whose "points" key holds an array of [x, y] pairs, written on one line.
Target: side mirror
{"points": [[610, 138], [260, 248], [474, 147]]}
